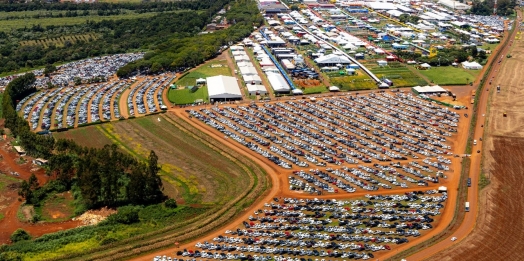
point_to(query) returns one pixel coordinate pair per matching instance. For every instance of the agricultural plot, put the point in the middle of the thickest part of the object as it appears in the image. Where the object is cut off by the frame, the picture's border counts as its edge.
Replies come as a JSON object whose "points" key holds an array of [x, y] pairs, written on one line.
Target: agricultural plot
{"points": [[68, 107], [399, 74], [448, 75], [360, 81], [370, 142], [61, 41]]}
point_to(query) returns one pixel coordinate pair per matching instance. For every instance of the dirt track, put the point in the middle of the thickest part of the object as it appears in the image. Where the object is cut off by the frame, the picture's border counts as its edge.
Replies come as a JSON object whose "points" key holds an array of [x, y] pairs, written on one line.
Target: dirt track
{"points": [[498, 231]]}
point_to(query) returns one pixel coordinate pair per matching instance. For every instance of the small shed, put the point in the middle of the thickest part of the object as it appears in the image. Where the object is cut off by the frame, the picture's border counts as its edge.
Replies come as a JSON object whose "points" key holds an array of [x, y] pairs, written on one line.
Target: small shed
{"points": [[19, 150], [350, 71], [334, 89], [382, 63]]}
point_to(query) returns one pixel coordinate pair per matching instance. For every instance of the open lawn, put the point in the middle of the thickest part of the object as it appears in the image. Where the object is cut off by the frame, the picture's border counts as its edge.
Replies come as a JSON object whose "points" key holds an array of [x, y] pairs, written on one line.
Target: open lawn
{"points": [[448, 75], [400, 75], [88, 136], [360, 81], [186, 96], [213, 68], [487, 46]]}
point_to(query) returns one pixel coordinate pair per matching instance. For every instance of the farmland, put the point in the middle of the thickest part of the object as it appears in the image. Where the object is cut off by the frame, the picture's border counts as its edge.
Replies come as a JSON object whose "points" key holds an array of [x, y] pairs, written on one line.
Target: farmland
{"points": [[450, 75], [205, 190], [7, 25], [61, 41], [399, 74]]}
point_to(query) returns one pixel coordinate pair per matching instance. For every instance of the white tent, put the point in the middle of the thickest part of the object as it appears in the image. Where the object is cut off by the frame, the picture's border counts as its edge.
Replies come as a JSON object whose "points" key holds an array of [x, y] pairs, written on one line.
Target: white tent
{"points": [[425, 65], [201, 81], [252, 79], [382, 63], [430, 89], [332, 59], [297, 92], [223, 87], [278, 83], [255, 89], [471, 65], [245, 70], [334, 89]]}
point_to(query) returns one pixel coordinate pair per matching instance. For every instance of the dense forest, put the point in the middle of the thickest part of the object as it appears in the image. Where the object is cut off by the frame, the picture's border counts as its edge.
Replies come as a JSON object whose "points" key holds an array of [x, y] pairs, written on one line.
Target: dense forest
{"points": [[103, 177]]}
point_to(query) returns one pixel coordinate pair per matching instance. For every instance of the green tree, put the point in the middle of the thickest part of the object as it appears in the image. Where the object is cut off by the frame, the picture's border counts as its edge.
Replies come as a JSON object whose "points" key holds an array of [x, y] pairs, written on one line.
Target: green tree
{"points": [[49, 69], [20, 235]]}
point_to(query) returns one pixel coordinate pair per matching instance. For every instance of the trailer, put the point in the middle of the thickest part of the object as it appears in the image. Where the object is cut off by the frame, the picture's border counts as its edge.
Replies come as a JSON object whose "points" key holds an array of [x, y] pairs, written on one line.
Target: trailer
{"points": [[467, 206]]}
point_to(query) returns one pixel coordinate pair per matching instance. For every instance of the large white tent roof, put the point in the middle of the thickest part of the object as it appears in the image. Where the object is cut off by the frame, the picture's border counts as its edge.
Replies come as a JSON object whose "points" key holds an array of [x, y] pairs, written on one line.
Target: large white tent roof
{"points": [[332, 59], [223, 87], [278, 83], [429, 89]]}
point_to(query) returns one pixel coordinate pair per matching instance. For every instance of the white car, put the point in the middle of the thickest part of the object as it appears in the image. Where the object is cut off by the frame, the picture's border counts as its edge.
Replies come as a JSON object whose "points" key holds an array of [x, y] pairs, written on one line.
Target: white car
{"points": [[453, 238]]}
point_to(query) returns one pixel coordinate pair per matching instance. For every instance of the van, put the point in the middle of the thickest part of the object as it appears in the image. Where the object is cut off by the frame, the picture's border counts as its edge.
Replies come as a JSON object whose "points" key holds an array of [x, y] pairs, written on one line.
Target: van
{"points": [[474, 142]]}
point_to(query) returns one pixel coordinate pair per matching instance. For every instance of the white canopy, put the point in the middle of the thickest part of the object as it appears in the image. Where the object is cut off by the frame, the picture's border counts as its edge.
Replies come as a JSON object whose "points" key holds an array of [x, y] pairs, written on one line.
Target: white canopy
{"points": [[334, 89], [223, 87], [430, 89]]}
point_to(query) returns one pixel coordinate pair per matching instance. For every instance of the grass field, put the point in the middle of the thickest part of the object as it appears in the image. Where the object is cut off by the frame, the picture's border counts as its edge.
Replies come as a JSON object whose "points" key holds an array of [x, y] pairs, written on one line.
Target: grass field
{"points": [[360, 81], [216, 67], [86, 136], [319, 89], [400, 75], [186, 96], [448, 75]]}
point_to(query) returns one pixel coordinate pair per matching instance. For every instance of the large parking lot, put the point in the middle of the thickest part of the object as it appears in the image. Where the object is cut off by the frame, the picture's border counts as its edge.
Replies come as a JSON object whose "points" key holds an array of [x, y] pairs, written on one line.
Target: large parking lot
{"points": [[350, 143], [309, 229], [71, 106]]}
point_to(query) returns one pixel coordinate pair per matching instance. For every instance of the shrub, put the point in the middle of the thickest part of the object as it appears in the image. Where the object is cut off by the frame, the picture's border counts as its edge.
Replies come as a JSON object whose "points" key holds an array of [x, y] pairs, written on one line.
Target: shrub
{"points": [[108, 240], [20, 235], [125, 215], [170, 203]]}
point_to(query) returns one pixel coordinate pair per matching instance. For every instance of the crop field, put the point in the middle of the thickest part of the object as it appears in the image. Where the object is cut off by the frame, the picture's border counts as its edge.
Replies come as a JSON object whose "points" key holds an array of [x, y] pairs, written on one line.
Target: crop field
{"points": [[448, 75], [505, 197], [88, 136], [7, 25], [400, 75], [61, 41], [186, 96], [69, 107], [361, 81]]}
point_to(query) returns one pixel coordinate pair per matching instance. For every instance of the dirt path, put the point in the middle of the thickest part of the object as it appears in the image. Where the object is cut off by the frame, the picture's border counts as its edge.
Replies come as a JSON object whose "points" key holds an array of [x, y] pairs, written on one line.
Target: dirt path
{"points": [[122, 103], [470, 217]]}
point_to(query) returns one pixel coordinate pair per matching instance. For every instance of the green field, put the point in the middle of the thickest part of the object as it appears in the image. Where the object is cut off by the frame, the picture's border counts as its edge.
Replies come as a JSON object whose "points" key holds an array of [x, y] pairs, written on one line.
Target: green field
{"points": [[448, 75], [400, 75], [319, 89], [186, 96], [360, 81], [7, 25], [213, 68]]}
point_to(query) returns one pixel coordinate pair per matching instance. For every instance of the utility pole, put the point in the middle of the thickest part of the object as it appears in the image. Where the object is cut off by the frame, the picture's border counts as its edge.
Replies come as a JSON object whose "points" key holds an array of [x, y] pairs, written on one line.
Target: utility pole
{"points": [[495, 8]]}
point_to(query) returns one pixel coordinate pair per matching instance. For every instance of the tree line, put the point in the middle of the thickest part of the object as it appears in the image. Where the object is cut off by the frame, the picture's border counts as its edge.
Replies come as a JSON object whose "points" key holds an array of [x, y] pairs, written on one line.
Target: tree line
{"points": [[105, 177], [504, 7], [71, 6]]}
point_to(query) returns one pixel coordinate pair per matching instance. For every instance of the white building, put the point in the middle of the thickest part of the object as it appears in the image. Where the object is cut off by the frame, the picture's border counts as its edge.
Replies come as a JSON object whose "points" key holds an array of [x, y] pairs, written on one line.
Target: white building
{"points": [[278, 83], [223, 87], [255, 89]]}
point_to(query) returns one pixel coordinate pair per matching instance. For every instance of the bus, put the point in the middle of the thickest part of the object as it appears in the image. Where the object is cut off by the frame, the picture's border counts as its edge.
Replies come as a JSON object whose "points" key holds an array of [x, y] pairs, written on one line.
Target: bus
{"points": [[467, 206]]}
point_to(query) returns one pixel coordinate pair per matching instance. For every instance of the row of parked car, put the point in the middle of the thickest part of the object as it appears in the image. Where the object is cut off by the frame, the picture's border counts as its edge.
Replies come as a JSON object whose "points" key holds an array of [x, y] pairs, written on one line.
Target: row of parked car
{"points": [[75, 102], [294, 228]]}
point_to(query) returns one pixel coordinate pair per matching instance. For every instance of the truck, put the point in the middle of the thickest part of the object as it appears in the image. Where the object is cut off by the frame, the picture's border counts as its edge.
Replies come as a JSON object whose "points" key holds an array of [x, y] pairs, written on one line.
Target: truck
{"points": [[467, 206]]}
